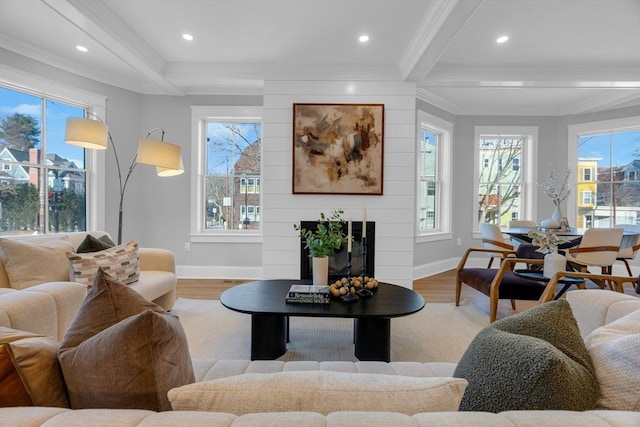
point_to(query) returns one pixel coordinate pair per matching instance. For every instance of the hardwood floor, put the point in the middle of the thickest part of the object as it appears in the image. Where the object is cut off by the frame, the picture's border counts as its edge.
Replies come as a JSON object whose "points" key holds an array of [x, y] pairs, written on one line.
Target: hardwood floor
{"points": [[436, 288]]}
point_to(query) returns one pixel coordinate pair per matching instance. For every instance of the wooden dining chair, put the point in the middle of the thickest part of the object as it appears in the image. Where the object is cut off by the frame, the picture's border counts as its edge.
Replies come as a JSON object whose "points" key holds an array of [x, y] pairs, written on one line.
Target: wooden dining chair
{"points": [[629, 253], [599, 247], [493, 239]]}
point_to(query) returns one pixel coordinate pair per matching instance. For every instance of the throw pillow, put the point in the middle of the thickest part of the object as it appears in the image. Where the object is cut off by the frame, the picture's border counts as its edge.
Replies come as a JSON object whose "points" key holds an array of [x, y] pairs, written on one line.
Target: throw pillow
{"points": [[120, 262], [615, 351], [319, 391], [95, 244], [33, 375], [534, 360], [32, 263], [122, 351]]}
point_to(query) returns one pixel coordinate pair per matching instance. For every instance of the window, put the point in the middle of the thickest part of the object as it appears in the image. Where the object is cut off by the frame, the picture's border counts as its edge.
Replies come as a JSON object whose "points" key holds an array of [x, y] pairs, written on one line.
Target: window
{"points": [[434, 170], [611, 149], [505, 173], [587, 197], [587, 174], [228, 195], [43, 183]]}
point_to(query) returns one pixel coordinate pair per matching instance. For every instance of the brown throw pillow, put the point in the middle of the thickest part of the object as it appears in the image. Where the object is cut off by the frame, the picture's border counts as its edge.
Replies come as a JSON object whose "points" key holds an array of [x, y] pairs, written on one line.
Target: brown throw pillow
{"points": [[122, 351], [120, 262], [95, 244], [29, 370]]}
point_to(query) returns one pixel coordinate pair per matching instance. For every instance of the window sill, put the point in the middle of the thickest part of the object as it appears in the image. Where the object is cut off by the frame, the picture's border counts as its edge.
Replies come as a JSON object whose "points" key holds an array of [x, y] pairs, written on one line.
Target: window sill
{"points": [[227, 237], [434, 237]]}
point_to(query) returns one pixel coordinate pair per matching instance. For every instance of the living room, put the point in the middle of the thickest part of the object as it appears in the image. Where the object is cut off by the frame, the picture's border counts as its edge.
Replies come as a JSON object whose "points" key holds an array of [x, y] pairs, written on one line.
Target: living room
{"points": [[152, 204], [128, 82]]}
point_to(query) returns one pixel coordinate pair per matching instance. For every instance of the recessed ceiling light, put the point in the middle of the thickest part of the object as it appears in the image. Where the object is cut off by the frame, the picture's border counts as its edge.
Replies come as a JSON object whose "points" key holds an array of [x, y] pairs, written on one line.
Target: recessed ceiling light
{"points": [[363, 38], [502, 39], [82, 48], [187, 36]]}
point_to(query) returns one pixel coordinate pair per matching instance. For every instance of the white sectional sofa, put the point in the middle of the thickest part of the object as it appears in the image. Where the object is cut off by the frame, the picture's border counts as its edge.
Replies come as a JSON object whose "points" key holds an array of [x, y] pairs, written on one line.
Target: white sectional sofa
{"points": [[157, 281], [592, 309]]}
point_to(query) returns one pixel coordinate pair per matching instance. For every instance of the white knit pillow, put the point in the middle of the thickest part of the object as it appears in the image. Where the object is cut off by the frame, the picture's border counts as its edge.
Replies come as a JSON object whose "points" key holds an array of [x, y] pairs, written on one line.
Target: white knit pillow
{"points": [[320, 391], [615, 352]]}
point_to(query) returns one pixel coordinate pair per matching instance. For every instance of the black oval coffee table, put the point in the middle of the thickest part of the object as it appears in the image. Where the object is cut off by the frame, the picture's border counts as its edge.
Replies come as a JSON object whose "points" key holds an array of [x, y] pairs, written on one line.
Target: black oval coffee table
{"points": [[264, 300]]}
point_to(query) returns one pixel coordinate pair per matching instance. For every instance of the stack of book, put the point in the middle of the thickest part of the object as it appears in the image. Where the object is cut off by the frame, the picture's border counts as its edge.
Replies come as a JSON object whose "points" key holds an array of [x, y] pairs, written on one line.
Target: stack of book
{"points": [[308, 294]]}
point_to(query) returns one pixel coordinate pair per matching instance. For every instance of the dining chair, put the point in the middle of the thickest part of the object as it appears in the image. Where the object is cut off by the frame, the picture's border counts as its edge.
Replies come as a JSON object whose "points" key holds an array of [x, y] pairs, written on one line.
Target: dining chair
{"points": [[629, 253], [493, 239], [500, 283], [599, 247]]}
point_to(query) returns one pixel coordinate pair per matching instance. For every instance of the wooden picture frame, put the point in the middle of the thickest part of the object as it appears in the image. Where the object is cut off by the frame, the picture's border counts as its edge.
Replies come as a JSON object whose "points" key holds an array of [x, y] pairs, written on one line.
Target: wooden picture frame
{"points": [[338, 148]]}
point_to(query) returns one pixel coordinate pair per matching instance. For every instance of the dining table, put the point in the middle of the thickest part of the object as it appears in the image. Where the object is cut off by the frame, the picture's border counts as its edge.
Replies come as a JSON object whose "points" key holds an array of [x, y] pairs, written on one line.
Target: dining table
{"points": [[570, 237]]}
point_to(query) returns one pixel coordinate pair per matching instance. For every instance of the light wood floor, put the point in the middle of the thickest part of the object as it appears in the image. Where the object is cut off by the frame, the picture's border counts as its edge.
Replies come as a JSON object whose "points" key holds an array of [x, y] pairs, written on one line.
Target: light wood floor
{"points": [[437, 288]]}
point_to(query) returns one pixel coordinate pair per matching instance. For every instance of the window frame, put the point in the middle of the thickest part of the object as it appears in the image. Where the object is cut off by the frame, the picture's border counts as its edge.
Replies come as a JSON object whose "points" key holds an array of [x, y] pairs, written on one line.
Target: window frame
{"points": [[444, 130], [528, 168], [577, 130], [95, 105], [199, 116]]}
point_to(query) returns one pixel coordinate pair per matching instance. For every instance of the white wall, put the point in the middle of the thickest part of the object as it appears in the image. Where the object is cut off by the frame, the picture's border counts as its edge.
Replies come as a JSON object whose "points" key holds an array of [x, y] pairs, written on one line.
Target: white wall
{"points": [[392, 212]]}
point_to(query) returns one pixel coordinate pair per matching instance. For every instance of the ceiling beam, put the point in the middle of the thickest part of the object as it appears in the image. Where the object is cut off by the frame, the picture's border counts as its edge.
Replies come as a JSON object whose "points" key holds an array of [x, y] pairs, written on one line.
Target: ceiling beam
{"points": [[440, 25], [97, 21]]}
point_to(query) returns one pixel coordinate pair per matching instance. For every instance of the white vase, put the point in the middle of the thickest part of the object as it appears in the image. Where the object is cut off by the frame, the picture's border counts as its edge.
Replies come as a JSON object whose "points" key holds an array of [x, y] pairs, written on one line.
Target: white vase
{"points": [[553, 262], [557, 214], [320, 270]]}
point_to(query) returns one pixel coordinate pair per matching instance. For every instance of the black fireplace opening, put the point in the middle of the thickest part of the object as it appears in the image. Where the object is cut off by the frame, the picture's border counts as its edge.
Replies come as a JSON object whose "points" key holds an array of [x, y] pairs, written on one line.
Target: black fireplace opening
{"points": [[338, 260]]}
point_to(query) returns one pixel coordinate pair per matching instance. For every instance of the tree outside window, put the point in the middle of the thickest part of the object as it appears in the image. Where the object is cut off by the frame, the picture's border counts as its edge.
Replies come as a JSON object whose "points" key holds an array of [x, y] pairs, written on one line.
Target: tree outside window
{"points": [[232, 179], [43, 180], [500, 178]]}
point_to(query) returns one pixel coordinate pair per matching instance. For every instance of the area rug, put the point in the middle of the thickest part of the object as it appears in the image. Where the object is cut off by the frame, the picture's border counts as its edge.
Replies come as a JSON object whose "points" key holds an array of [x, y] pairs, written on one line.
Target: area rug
{"points": [[438, 333]]}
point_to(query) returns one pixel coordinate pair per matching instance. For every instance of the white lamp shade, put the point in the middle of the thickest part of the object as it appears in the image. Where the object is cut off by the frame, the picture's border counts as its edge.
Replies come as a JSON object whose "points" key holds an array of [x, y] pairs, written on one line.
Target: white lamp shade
{"points": [[159, 153], [87, 133], [164, 172]]}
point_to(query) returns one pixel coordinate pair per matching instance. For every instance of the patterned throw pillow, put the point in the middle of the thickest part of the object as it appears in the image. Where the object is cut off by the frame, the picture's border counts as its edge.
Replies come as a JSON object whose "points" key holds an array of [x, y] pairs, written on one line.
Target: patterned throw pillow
{"points": [[120, 262]]}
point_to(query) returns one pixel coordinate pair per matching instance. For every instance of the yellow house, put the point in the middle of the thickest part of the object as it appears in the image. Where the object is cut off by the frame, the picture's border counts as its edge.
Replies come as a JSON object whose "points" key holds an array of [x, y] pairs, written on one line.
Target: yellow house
{"points": [[587, 191]]}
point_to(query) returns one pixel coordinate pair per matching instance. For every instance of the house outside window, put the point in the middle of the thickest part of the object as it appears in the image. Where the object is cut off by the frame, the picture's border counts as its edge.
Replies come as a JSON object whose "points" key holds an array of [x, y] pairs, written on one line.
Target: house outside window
{"points": [[504, 188], [229, 146], [612, 150], [43, 181], [434, 176]]}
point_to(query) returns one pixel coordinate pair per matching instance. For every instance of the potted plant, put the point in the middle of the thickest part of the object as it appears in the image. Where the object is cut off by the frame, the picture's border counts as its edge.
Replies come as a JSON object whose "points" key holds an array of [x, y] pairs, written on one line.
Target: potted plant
{"points": [[324, 241]]}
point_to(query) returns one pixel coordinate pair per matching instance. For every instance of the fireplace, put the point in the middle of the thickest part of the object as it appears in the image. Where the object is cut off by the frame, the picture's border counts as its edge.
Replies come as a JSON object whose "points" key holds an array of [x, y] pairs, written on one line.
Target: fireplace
{"points": [[338, 261]]}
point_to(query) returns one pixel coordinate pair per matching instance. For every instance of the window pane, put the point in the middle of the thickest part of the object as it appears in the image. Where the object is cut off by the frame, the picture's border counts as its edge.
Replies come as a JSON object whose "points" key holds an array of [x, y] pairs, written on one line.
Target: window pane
{"points": [[500, 180], [232, 173], [615, 194], [428, 196], [32, 149]]}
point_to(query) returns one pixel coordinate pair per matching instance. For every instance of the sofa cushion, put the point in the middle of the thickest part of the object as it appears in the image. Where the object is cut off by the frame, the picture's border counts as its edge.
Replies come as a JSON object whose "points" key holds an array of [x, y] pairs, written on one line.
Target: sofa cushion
{"points": [[120, 262], [30, 263], [615, 351], [532, 360], [95, 244], [33, 375], [122, 351], [320, 391]]}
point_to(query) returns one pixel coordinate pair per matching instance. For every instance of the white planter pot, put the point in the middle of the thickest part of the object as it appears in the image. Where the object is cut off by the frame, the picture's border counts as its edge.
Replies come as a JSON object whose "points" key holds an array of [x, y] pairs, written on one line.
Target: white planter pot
{"points": [[553, 263], [320, 270]]}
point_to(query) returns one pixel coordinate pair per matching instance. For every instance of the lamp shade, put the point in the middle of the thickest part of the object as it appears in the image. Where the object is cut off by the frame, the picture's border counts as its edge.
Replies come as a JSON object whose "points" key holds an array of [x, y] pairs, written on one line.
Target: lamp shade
{"points": [[159, 153], [164, 172], [87, 133]]}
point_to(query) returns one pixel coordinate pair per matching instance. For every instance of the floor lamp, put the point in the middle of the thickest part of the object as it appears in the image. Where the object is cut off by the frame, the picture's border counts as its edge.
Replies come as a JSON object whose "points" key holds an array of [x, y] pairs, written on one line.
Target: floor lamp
{"points": [[95, 135]]}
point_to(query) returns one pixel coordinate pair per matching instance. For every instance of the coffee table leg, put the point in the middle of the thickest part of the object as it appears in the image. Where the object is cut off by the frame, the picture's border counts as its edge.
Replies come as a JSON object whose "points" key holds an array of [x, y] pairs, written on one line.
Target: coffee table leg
{"points": [[268, 336], [373, 338]]}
